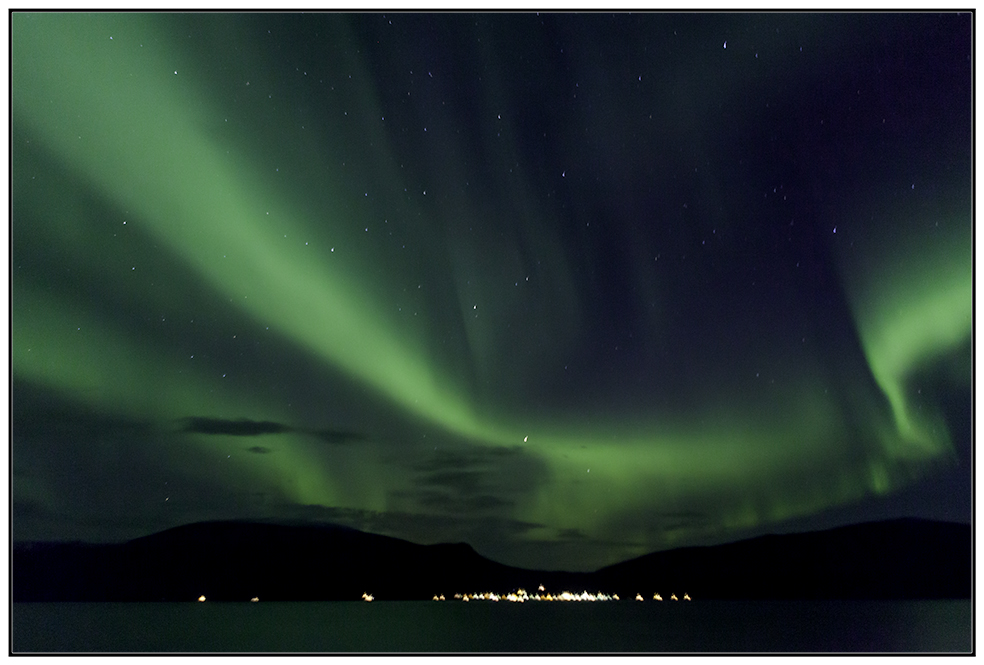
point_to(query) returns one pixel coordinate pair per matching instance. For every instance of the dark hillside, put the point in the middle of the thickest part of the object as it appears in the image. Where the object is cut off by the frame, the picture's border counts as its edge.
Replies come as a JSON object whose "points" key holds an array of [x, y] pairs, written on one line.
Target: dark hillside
{"points": [[896, 559], [236, 561]]}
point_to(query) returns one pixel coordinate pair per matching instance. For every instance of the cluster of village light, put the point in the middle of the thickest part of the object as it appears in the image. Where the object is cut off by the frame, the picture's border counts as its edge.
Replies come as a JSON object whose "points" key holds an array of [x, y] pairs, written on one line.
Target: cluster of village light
{"points": [[521, 596]]}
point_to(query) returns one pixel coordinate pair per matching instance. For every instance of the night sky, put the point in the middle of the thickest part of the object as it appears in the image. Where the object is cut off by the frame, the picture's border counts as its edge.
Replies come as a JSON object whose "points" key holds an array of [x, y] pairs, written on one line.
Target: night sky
{"points": [[568, 288]]}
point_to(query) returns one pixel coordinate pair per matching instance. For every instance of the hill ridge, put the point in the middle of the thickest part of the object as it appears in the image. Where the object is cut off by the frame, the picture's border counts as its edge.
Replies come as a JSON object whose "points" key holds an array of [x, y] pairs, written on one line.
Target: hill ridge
{"points": [[242, 559]]}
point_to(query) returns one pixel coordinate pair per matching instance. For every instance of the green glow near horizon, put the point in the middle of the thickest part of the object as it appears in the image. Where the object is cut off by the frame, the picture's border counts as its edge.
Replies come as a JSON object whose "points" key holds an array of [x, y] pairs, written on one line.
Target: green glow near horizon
{"points": [[141, 132]]}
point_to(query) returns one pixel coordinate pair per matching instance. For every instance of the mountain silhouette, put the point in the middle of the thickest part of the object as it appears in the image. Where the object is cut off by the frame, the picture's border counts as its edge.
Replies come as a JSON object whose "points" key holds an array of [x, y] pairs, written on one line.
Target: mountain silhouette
{"points": [[238, 561]]}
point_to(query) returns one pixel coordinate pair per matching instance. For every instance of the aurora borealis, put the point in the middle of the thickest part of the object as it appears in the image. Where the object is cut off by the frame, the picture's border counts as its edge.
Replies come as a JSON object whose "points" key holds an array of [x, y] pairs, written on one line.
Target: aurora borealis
{"points": [[569, 288]]}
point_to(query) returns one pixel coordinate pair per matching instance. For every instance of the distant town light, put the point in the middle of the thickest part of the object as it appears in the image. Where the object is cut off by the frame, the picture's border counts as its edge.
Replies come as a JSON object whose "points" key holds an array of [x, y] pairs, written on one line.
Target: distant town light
{"points": [[521, 596], [254, 599], [366, 597], [201, 599]]}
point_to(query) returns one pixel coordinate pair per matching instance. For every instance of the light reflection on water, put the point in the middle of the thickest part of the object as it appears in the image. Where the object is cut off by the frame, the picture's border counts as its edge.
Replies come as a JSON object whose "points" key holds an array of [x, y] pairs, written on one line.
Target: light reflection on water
{"points": [[425, 626]]}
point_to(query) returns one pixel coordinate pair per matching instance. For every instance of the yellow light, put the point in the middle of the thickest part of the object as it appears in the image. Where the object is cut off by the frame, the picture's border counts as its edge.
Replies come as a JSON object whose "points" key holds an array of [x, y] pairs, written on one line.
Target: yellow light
{"points": [[657, 597], [521, 596], [201, 599], [254, 599]]}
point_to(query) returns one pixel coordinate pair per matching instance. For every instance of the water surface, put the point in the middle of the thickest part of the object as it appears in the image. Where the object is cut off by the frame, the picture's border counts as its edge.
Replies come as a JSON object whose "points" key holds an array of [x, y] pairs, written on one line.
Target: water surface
{"points": [[380, 626]]}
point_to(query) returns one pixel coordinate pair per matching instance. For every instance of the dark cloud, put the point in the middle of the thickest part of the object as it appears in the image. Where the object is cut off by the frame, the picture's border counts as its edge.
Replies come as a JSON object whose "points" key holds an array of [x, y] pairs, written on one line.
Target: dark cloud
{"points": [[447, 502], [464, 458], [259, 450], [246, 427], [241, 427], [488, 502], [335, 435], [456, 480]]}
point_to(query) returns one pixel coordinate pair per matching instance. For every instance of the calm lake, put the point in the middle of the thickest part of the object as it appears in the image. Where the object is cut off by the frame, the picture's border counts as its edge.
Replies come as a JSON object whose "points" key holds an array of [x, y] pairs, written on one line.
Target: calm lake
{"points": [[455, 626]]}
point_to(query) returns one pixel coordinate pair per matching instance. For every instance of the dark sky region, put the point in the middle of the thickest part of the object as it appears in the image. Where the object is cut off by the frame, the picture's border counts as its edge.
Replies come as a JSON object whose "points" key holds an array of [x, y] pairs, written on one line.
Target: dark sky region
{"points": [[569, 288]]}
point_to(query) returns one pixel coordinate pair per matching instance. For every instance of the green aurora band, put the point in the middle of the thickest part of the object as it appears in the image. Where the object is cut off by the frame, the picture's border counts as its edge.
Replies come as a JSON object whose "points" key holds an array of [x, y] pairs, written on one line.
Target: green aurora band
{"points": [[135, 119]]}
